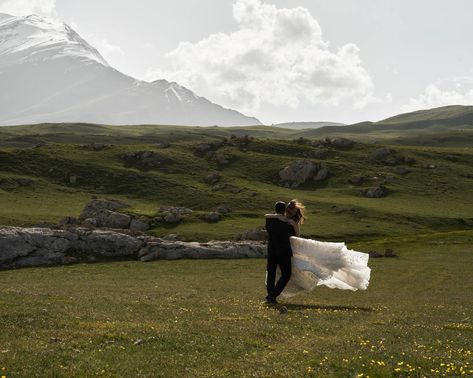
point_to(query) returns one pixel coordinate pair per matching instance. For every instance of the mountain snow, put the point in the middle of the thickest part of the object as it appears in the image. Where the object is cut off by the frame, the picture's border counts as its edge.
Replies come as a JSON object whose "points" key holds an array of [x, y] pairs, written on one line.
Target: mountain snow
{"points": [[48, 73]]}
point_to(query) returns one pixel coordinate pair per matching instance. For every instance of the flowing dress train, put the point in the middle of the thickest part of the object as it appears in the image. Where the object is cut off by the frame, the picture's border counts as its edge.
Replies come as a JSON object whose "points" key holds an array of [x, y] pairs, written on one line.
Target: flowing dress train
{"points": [[316, 263]]}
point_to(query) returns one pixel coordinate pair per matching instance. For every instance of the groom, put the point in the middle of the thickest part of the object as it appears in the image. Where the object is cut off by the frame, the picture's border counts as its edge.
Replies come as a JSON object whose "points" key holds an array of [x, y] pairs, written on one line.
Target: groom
{"points": [[279, 253]]}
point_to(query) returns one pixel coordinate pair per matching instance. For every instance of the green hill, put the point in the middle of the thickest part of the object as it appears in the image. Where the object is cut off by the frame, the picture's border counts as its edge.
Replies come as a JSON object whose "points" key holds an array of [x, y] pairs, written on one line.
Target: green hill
{"points": [[62, 172], [445, 126]]}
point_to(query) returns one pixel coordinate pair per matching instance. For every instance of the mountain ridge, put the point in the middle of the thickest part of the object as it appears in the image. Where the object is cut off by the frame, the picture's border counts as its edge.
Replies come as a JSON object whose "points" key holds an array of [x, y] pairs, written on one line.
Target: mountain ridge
{"points": [[49, 73]]}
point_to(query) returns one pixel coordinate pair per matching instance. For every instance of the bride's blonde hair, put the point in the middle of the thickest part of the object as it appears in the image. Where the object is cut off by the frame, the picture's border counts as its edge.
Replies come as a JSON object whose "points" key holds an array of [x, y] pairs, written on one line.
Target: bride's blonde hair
{"points": [[299, 214]]}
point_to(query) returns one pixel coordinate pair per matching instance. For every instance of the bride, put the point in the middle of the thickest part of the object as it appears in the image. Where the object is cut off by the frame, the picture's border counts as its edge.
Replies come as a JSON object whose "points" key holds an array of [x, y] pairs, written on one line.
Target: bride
{"points": [[316, 263]]}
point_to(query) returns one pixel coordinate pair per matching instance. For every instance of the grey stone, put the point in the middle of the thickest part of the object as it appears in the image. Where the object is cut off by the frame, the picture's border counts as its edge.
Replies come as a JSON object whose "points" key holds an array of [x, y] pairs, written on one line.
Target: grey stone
{"points": [[376, 192], [298, 172], [172, 218], [212, 217], [322, 174], [223, 209], [253, 234], [139, 225], [22, 247], [96, 205], [111, 219], [172, 250], [212, 178]]}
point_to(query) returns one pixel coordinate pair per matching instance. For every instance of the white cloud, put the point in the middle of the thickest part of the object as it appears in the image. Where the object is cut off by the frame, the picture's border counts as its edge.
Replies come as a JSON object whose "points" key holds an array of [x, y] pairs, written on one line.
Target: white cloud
{"points": [[28, 7], [456, 91], [276, 56]]}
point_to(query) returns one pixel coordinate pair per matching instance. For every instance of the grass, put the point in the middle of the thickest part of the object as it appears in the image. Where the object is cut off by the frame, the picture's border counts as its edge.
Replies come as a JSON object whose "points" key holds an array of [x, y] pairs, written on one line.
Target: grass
{"points": [[424, 200], [205, 318]]}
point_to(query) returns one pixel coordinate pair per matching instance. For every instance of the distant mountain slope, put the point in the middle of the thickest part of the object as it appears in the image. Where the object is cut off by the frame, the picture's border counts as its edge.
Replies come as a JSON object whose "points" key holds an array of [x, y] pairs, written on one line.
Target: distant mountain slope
{"points": [[452, 114], [431, 121], [48, 73], [306, 125]]}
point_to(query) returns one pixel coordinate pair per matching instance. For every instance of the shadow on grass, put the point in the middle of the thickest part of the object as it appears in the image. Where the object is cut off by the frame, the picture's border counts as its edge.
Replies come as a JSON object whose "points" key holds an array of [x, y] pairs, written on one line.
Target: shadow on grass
{"points": [[300, 307]]}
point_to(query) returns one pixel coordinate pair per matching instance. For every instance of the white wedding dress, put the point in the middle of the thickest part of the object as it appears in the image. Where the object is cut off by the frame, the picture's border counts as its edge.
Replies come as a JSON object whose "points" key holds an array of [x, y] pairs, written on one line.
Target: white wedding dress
{"points": [[316, 263]]}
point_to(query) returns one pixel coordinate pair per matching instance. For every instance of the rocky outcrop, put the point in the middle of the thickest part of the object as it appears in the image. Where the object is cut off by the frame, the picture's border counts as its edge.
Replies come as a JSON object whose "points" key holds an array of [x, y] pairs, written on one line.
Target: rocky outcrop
{"points": [[302, 171], [375, 192], [147, 160], [255, 234], [22, 247], [165, 250], [103, 213], [390, 157]]}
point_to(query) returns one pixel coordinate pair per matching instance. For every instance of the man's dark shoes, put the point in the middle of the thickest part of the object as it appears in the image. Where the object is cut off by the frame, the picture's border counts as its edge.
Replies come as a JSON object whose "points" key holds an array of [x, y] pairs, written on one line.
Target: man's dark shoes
{"points": [[271, 300]]}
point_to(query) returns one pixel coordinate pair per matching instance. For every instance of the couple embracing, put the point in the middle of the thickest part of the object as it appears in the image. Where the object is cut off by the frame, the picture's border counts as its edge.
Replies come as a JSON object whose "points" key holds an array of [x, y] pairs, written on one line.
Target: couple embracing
{"points": [[297, 265]]}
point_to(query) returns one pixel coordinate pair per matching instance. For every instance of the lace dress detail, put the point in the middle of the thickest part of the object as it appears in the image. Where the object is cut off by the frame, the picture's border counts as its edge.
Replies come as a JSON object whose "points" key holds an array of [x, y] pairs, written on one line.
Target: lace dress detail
{"points": [[316, 263]]}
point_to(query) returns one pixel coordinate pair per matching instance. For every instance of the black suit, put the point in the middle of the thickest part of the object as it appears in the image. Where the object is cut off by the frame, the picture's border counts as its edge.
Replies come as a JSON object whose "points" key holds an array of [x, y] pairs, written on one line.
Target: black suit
{"points": [[279, 254]]}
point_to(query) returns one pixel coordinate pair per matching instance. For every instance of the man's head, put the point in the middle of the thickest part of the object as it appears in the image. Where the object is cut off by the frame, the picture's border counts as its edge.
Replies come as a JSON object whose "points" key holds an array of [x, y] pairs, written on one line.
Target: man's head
{"points": [[280, 207]]}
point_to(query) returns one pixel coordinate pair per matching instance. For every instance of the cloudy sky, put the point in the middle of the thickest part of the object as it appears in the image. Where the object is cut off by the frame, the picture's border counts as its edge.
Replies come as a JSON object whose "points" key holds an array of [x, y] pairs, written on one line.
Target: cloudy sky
{"points": [[286, 60]]}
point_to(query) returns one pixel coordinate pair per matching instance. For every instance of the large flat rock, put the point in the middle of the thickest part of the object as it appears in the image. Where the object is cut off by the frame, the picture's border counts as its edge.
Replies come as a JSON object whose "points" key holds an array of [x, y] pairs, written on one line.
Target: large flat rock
{"points": [[22, 247]]}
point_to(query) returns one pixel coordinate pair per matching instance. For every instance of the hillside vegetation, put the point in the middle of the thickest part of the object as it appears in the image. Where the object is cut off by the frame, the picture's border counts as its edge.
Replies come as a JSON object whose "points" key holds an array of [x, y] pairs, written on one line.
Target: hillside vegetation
{"points": [[52, 170]]}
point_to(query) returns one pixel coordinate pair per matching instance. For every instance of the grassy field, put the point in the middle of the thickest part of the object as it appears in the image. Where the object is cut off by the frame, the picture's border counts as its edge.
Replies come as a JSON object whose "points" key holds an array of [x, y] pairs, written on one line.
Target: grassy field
{"points": [[205, 318], [424, 200]]}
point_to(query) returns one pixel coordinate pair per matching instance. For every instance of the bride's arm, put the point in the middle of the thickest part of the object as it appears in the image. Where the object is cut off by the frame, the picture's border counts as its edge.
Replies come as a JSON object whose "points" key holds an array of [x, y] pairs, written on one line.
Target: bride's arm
{"points": [[277, 216], [281, 217], [297, 228]]}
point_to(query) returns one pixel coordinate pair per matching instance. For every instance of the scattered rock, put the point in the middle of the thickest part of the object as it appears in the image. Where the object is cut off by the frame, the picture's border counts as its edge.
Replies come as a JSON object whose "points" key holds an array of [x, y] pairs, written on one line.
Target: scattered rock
{"points": [[339, 142], [319, 153], [111, 219], [376, 192], [358, 180], [172, 218], [147, 160], [389, 253], [44, 246], [69, 221], [171, 237], [173, 209], [73, 179], [255, 234], [91, 222], [24, 182], [21, 247], [212, 178], [171, 250], [96, 205], [298, 173], [322, 174], [429, 166], [203, 148], [223, 209], [164, 145], [139, 225], [138, 342], [400, 170], [222, 159], [382, 153], [212, 217], [375, 254], [10, 183], [95, 146]]}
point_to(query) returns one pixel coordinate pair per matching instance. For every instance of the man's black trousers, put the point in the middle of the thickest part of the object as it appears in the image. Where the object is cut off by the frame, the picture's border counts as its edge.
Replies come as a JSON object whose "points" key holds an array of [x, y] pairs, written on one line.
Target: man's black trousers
{"points": [[284, 263]]}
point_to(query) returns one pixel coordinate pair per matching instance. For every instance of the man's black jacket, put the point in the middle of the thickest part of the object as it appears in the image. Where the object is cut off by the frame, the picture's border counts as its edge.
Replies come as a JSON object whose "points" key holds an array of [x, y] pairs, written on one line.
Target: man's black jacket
{"points": [[279, 233]]}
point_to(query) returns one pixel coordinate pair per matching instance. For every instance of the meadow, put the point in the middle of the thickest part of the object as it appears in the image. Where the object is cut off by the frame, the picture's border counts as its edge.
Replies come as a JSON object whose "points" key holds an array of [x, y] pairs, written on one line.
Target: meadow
{"points": [[206, 318]]}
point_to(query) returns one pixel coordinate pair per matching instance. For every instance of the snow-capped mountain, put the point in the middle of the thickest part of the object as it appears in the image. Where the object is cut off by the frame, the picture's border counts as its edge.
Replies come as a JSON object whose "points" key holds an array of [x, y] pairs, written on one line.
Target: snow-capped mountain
{"points": [[48, 73]]}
